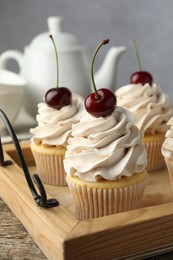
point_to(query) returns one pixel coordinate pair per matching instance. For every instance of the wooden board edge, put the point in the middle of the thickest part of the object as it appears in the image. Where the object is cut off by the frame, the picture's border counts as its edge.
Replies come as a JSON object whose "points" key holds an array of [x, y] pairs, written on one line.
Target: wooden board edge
{"points": [[25, 146], [121, 235], [163, 249]]}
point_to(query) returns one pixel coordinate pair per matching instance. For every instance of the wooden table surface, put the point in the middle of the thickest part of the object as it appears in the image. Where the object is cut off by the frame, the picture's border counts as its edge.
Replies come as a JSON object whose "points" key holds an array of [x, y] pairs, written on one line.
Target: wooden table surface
{"points": [[16, 243]]}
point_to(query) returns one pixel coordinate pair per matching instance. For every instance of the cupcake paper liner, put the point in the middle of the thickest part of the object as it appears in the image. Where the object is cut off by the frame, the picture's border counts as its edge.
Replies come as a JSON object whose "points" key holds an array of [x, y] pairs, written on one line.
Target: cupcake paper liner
{"points": [[50, 168], [155, 157], [92, 203], [169, 164]]}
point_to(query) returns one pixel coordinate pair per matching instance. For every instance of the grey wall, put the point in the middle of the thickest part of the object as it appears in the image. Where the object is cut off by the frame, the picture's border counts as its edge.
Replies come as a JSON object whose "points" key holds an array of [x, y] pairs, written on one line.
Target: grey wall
{"points": [[149, 22]]}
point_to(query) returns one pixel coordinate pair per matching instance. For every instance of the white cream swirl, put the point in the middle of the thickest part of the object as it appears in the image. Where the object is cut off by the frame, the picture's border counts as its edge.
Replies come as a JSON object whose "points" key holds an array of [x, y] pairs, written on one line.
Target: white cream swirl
{"points": [[54, 126], [149, 105], [105, 148], [167, 147]]}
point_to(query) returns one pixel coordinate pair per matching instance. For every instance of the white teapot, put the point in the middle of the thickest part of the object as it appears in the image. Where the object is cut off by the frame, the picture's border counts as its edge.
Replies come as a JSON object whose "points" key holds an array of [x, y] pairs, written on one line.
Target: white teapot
{"points": [[38, 66]]}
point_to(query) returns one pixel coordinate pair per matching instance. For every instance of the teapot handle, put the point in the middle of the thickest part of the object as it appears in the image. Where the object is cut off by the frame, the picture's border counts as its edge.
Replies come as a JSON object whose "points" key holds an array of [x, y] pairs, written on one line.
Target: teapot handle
{"points": [[11, 54]]}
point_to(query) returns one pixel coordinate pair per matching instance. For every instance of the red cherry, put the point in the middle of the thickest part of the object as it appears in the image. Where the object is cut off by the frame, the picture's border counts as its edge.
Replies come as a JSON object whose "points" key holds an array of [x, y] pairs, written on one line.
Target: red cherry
{"points": [[102, 102], [141, 77], [101, 106], [58, 97]]}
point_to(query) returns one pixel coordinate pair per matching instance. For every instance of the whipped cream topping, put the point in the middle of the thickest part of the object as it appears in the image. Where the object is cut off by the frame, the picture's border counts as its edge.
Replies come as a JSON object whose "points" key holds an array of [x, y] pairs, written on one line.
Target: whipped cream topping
{"points": [[167, 147], [54, 126], [106, 148], [149, 105]]}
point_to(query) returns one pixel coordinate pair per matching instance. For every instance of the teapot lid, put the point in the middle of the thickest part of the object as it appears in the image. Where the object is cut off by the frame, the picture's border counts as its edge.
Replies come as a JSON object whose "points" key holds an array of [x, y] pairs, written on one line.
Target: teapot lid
{"points": [[64, 41]]}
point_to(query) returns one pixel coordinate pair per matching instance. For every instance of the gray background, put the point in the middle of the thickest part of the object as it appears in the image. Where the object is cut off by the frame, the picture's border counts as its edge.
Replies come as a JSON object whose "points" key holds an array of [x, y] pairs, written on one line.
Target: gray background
{"points": [[149, 22]]}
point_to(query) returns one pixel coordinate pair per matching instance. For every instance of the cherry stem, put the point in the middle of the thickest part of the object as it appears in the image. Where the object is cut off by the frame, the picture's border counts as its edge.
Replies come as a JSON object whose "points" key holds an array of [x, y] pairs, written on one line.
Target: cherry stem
{"points": [[104, 42], [137, 55], [57, 68]]}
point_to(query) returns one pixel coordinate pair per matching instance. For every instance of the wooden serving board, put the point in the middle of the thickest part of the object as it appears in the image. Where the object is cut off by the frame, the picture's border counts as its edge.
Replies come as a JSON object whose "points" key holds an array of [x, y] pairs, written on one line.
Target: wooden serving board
{"points": [[129, 235]]}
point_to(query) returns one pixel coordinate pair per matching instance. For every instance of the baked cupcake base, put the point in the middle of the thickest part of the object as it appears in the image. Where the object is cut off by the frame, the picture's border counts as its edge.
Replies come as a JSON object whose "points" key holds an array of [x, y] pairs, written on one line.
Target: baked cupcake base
{"points": [[153, 145], [49, 163], [97, 199]]}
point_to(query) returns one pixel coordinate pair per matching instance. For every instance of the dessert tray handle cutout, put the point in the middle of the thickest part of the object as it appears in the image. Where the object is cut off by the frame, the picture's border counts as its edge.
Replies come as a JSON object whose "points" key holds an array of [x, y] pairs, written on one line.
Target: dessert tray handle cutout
{"points": [[41, 200]]}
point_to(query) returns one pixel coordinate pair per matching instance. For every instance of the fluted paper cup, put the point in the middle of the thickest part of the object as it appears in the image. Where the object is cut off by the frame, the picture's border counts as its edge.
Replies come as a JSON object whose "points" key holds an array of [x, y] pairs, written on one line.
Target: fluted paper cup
{"points": [[169, 164], [153, 145], [49, 165], [93, 200]]}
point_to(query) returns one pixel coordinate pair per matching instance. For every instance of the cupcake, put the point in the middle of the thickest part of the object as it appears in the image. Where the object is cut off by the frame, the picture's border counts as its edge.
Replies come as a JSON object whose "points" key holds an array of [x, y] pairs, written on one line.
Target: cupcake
{"points": [[151, 109], [167, 150], [49, 140], [105, 164]]}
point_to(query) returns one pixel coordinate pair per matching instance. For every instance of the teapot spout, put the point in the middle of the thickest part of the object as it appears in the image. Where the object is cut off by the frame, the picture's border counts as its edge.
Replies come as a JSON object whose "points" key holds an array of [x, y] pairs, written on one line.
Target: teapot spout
{"points": [[106, 76]]}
